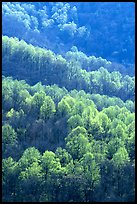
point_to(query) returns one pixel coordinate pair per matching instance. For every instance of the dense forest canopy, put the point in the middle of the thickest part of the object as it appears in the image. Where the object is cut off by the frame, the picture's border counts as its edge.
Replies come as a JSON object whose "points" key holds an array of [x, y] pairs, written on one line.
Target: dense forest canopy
{"points": [[68, 102], [84, 25], [36, 64]]}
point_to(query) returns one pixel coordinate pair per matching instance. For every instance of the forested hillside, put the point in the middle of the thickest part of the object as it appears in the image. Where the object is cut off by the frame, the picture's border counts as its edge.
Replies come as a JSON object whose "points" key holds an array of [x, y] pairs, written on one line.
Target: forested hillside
{"points": [[103, 29], [35, 64], [68, 108]]}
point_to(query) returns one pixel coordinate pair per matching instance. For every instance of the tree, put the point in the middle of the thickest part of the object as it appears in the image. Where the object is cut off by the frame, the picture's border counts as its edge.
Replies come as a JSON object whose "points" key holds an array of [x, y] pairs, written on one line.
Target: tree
{"points": [[99, 149], [121, 157], [78, 146], [74, 121], [30, 175], [30, 180], [9, 179], [49, 162], [112, 111], [64, 157], [7, 94], [31, 155], [17, 116], [9, 139], [53, 172], [47, 108], [95, 128], [36, 103], [91, 174], [66, 105], [121, 164], [113, 145], [130, 146]]}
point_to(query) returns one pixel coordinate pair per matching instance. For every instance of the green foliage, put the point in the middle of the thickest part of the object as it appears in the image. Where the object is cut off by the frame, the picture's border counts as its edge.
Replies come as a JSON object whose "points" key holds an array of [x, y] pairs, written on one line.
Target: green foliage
{"points": [[83, 138], [8, 134], [68, 129], [121, 157], [9, 179], [64, 157], [43, 65], [29, 157], [77, 146], [50, 162], [9, 139], [47, 109], [65, 105], [75, 21], [75, 121], [91, 170]]}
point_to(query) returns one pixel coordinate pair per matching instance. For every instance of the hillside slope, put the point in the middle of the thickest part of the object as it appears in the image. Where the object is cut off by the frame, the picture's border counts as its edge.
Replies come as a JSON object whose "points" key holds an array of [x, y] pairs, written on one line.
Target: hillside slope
{"points": [[68, 102]]}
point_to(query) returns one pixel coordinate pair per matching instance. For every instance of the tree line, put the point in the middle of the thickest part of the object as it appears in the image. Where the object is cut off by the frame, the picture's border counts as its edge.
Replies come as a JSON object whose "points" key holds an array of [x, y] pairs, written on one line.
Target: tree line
{"points": [[83, 24], [35, 64]]}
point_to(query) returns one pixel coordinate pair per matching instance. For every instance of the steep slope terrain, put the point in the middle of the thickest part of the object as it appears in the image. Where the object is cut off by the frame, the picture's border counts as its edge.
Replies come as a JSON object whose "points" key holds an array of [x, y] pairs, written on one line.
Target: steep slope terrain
{"points": [[105, 29], [69, 134], [68, 117]]}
